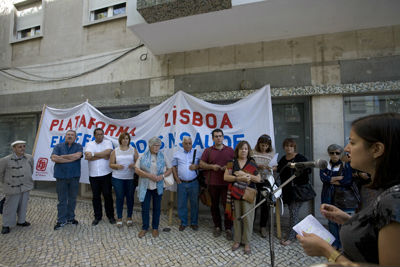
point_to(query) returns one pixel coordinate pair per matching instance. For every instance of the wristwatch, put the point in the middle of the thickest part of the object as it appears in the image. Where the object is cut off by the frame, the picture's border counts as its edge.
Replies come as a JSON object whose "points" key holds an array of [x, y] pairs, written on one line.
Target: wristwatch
{"points": [[334, 255]]}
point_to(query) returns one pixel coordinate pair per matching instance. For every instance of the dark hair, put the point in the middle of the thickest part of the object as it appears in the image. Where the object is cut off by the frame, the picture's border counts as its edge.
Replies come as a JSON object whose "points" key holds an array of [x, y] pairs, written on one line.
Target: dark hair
{"points": [[289, 141], [216, 131], [122, 136], [384, 128], [73, 131], [263, 139], [240, 145], [97, 129]]}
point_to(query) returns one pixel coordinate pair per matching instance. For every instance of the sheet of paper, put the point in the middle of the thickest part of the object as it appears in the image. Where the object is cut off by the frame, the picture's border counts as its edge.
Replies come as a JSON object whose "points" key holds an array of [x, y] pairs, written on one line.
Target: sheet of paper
{"points": [[311, 225], [274, 161]]}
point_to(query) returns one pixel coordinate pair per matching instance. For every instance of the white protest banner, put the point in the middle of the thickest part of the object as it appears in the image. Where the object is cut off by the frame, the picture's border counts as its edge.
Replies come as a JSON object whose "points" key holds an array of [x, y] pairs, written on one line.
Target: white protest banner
{"points": [[180, 115]]}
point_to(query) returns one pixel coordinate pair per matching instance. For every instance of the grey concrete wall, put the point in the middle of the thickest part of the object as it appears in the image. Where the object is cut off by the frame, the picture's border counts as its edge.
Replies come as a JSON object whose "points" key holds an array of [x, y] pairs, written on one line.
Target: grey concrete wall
{"points": [[66, 37]]}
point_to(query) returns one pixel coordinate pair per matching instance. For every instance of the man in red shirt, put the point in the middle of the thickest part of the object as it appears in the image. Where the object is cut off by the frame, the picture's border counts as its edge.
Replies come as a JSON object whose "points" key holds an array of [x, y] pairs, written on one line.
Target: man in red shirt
{"points": [[214, 160]]}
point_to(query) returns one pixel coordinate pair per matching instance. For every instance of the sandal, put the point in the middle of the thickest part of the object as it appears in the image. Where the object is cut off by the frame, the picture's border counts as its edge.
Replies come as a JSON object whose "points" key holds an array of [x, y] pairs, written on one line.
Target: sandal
{"points": [[247, 250], [129, 222], [286, 242], [119, 223], [235, 246]]}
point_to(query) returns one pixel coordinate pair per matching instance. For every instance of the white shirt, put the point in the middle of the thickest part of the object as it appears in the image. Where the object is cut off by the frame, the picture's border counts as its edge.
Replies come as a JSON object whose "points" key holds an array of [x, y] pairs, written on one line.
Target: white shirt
{"points": [[183, 160], [124, 158], [98, 167]]}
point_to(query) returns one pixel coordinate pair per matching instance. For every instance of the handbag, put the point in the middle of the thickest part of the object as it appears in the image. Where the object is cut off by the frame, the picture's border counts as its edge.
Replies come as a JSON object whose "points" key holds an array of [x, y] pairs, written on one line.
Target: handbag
{"points": [[2, 204], [345, 199], [205, 197], [168, 180], [303, 192], [204, 194], [249, 194]]}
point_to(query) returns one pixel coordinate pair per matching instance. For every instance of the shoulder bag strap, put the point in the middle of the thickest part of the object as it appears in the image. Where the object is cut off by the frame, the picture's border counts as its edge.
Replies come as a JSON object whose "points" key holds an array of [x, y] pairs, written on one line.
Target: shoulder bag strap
{"points": [[209, 172]]}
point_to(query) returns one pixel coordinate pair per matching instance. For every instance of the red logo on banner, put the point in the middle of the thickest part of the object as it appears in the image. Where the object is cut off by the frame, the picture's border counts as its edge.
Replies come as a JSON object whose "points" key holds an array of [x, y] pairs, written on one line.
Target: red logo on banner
{"points": [[41, 164]]}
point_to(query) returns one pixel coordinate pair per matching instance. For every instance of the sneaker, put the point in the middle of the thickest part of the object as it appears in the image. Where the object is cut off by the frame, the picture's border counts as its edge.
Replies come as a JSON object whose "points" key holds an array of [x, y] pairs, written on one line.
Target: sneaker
{"points": [[112, 220], [24, 224], [217, 232], [73, 221], [59, 225], [228, 234], [5, 230], [129, 222], [182, 228], [119, 223], [195, 227]]}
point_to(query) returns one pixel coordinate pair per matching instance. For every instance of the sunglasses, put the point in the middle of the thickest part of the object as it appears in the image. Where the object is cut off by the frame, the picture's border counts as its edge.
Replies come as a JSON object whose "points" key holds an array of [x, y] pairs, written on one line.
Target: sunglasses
{"points": [[335, 153]]}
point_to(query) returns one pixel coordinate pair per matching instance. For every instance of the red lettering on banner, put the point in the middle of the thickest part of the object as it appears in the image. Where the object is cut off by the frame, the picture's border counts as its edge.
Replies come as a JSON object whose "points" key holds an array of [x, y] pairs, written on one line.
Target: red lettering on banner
{"points": [[185, 117], [197, 119], [54, 123], [214, 118], [174, 116], [121, 130], [69, 125], [83, 121], [132, 132], [110, 130], [166, 124], [60, 128], [100, 123], [225, 121], [91, 122], [77, 120]]}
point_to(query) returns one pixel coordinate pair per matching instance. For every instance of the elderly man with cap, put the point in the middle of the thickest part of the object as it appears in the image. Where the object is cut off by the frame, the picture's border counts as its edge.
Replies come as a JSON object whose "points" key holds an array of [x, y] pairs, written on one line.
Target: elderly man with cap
{"points": [[16, 175]]}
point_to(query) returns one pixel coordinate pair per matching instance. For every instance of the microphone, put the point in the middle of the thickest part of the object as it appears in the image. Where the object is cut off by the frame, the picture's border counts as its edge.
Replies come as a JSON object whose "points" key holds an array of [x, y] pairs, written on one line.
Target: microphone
{"points": [[319, 163]]}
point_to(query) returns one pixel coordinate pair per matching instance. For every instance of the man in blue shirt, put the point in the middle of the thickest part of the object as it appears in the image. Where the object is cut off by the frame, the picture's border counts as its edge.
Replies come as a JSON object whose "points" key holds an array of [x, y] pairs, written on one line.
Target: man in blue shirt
{"points": [[67, 171], [184, 171]]}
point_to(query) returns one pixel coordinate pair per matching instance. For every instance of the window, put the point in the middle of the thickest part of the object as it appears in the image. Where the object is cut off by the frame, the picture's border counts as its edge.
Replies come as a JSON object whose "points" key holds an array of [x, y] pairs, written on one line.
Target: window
{"points": [[35, 31], [119, 9], [103, 9], [28, 20], [100, 14], [360, 106]]}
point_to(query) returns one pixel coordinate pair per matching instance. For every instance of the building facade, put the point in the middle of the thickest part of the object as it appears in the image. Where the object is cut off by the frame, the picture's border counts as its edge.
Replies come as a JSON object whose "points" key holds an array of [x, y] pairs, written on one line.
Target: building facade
{"points": [[62, 53]]}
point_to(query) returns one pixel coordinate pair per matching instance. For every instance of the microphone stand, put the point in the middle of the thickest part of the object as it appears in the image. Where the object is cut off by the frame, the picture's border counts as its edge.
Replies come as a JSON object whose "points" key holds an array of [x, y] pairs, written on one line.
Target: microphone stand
{"points": [[268, 198]]}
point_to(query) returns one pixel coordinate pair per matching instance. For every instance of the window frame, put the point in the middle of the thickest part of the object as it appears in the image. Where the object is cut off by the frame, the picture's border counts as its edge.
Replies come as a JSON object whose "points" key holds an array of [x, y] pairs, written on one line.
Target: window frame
{"points": [[89, 15], [15, 33]]}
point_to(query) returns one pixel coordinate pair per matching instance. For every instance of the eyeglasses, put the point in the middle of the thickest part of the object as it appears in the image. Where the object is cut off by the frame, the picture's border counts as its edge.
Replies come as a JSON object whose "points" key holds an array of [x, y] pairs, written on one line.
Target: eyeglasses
{"points": [[335, 153]]}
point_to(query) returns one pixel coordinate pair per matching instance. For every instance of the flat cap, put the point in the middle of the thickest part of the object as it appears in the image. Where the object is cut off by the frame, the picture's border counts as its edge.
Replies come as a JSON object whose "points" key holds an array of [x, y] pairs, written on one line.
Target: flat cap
{"points": [[18, 142]]}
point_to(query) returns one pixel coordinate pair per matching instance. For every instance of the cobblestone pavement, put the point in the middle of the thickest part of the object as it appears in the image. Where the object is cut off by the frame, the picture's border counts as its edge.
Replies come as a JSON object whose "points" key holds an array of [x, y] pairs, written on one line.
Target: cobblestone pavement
{"points": [[107, 245]]}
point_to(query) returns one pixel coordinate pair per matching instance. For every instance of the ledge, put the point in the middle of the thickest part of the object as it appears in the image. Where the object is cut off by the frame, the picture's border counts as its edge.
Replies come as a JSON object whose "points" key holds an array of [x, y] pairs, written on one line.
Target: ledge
{"points": [[160, 10]]}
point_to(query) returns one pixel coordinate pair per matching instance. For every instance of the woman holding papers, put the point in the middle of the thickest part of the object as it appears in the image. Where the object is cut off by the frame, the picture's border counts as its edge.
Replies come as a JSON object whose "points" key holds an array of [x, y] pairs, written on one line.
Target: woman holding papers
{"points": [[263, 154], [242, 175], [373, 234]]}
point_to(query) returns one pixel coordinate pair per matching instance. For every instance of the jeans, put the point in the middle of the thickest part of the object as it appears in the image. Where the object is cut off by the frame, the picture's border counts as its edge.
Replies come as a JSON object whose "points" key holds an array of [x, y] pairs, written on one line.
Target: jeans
{"points": [[102, 185], [124, 189], [191, 191], [67, 191], [146, 209]]}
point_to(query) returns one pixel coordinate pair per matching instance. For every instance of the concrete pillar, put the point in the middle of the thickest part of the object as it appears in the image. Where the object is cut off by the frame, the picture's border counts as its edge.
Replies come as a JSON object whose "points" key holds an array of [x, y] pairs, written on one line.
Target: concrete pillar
{"points": [[328, 128]]}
